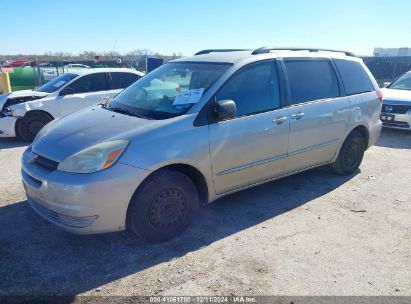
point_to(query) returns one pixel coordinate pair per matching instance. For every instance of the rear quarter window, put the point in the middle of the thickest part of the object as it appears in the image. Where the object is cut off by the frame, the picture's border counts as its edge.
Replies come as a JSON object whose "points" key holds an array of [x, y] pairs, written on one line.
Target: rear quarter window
{"points": [[354, 77]]}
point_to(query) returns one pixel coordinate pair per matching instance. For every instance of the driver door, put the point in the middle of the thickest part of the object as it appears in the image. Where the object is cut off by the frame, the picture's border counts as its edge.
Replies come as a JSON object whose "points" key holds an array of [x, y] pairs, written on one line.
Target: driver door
{"points": [[84, 92]]}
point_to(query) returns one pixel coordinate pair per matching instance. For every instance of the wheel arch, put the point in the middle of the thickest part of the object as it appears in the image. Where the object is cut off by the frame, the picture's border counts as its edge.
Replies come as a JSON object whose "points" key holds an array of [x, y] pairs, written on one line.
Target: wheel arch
{"points": [[195, 175], [33, 112], [360, 128], [192, 172], [364, 131]]}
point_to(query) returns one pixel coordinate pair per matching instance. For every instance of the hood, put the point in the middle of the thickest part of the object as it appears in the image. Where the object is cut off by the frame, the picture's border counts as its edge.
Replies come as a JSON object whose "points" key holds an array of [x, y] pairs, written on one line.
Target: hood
{"points": [[396, 95], [20, 96], [78, 131]]}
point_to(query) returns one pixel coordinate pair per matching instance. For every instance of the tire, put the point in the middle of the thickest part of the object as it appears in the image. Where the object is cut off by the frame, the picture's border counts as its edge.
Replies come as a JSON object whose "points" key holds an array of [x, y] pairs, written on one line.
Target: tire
{"points": [[31, 124], [162, 206], [350, 155]]}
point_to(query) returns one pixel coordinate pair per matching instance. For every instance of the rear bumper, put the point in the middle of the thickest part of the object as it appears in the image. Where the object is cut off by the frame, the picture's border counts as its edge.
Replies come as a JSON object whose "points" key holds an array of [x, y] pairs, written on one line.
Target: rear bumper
{"points": [[7, 126], [81, 203], [374, 133]]}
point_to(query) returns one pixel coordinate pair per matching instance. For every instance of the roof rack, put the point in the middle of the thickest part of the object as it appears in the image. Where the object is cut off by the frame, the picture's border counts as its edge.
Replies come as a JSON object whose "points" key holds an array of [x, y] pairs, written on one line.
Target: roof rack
{"points": [[267, 49], [219, 51]]}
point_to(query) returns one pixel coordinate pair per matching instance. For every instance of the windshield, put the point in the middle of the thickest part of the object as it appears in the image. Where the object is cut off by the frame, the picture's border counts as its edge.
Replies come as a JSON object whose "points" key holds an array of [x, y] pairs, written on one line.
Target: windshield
{"points": [[56, 83], [168, 91], [402, 83]]}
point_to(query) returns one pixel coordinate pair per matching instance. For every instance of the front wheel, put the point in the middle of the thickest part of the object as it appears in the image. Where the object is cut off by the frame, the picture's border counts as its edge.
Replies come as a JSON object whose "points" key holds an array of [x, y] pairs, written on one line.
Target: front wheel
{"points": [[163, 205], [31, 124], [350, 155]]}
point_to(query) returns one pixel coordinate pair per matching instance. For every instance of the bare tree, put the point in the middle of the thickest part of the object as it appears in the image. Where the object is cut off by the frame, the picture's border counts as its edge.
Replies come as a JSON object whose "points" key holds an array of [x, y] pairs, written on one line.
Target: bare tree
{"points": [[110, 55], [88, 55], [134, 56]]}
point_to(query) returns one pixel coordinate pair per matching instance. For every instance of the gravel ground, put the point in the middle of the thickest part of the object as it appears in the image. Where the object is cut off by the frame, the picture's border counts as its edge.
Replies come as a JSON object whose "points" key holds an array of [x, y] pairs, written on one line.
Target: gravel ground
{"points": [[314, 233]]}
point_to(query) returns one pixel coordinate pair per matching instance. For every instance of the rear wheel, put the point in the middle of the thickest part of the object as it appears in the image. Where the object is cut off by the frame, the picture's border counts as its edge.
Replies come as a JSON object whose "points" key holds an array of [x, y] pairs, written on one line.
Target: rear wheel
{"points": [[31, 124], [163, 205], [350, 155]]}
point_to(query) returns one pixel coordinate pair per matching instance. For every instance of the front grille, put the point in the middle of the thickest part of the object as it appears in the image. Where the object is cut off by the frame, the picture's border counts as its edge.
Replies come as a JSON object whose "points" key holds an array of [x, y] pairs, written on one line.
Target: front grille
{"points": [[46, 163], [395, 109], [396, 124], [58, 218]]}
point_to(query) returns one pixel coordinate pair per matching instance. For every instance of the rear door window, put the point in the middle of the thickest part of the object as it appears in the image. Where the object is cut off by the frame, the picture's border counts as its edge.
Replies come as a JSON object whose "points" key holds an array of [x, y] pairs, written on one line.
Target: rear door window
{"points": [[120, 80], [354, 77], [311, 80]]}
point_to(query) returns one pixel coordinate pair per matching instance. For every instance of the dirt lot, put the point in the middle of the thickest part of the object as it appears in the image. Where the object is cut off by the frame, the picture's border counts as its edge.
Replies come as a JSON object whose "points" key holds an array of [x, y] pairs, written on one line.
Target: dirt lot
{"points": [[310, 234]]}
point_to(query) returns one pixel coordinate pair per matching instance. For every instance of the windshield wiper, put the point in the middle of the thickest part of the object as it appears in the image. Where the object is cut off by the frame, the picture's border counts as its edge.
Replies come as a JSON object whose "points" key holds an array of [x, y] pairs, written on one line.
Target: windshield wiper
{"points": [[125, 111], [121, 110], [404, 89]]}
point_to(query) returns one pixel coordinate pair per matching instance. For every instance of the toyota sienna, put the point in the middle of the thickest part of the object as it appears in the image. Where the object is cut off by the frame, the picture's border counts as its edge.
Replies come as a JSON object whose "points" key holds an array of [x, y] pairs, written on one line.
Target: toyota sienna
{"points": [[199, 128]]}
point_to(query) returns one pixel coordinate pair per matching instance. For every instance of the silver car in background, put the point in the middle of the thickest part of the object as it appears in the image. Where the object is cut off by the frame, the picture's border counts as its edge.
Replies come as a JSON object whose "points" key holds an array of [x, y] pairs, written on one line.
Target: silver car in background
{"points": [[197, 129], [396, 109]]}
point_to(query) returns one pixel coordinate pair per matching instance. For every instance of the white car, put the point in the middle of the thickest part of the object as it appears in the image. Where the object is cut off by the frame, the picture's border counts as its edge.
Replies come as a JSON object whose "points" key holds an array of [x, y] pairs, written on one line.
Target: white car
{"points": [[76, 66], [24, 113], [396, 109]]}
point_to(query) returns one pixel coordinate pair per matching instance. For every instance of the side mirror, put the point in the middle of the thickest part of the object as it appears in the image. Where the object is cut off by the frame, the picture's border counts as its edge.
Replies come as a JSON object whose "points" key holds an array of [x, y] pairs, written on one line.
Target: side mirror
{"points": [[225, 109], [67, 91], [386, 84]]}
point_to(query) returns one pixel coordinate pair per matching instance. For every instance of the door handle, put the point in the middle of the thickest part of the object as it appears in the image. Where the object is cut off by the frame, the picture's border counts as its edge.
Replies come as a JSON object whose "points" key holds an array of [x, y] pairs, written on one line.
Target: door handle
{"points": [[280, 120], [297, 115]]}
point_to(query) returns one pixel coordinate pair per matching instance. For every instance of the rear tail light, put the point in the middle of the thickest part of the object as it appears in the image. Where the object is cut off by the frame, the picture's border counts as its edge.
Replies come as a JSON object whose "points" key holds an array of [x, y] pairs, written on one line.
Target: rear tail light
{"points": [[380, 96]]}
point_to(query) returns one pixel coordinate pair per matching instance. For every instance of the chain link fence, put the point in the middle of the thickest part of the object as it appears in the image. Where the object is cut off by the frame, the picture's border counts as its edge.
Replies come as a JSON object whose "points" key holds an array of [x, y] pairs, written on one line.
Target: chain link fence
{"points": [[386, 69]]}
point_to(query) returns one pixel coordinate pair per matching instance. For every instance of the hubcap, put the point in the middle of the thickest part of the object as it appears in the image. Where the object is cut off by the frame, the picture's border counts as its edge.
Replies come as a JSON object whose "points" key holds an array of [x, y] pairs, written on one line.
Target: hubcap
{"points": [[168, 209]]}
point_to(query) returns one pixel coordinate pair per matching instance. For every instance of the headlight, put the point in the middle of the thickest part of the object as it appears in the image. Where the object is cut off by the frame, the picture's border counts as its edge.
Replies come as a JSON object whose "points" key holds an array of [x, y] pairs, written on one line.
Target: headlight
{"points": [[9, 112], [95, 158]]}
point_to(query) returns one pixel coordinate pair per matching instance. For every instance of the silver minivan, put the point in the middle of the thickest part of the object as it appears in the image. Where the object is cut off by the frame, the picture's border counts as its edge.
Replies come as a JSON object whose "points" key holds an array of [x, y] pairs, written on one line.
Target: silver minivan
{"points": [[199, 128]]}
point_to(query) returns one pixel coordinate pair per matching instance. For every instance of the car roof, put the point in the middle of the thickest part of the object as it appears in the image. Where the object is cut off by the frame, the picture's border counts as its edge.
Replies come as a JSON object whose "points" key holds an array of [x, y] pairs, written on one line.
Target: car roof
{"points": [[222, 57], [83, 72], [235, 56]]}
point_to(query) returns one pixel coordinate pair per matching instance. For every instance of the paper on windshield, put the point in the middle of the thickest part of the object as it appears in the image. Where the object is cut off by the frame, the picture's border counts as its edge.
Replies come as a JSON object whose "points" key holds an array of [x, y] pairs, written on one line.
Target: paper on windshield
{"points": [[59, 84], [189, 96]]}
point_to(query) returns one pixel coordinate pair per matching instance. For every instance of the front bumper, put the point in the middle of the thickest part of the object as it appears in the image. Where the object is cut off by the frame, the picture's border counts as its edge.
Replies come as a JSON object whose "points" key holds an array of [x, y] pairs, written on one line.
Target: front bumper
{"points": [[401, 120], [81, 203], [7, 126]]}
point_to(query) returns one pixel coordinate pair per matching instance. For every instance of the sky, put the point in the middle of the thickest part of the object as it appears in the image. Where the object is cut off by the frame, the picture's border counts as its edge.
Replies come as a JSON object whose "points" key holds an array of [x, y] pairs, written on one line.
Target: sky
{"points": [[187, 26]]}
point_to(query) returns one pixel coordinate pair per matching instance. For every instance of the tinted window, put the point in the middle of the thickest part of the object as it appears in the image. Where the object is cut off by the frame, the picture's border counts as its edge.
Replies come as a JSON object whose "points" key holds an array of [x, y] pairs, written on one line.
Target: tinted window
{"points": [[254, 89], [311, 80], [354, 77], [122, 80], [90, 83]]}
